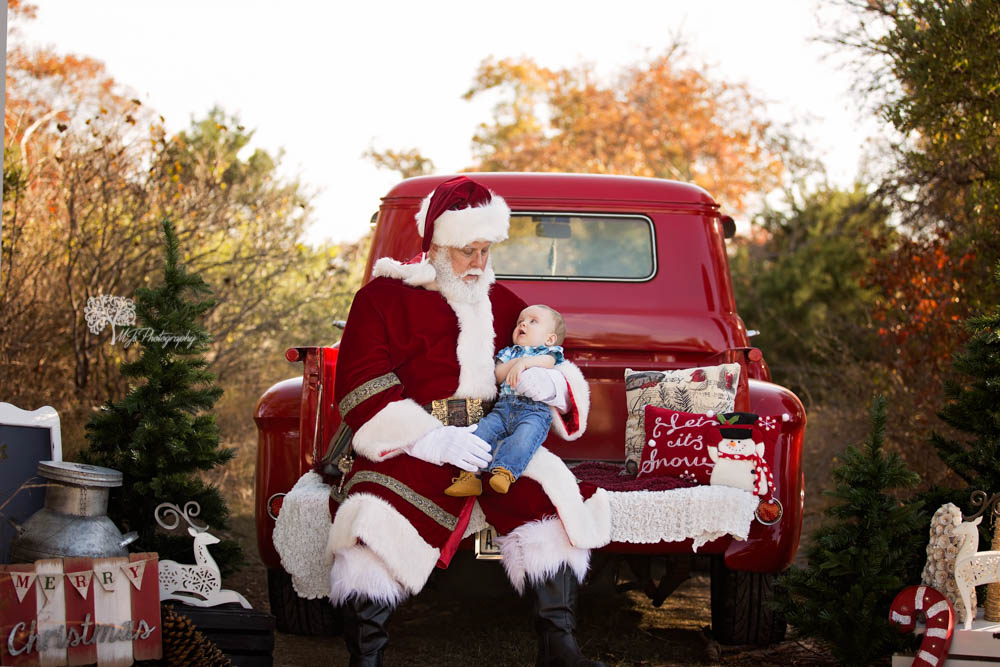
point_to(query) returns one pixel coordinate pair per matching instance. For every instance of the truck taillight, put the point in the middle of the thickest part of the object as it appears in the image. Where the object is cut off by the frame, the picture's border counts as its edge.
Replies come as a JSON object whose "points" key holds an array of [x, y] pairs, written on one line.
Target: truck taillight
{"points": [[274, 505]]}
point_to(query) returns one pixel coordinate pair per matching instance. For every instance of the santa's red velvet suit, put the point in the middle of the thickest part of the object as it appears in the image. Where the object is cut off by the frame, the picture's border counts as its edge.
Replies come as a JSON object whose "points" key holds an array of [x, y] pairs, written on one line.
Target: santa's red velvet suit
{"points": [[403, 347]]}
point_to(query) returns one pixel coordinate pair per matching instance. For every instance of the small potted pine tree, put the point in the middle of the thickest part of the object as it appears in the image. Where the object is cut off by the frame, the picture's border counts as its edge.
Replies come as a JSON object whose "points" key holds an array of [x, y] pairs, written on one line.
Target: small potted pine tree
{"points": [[163, 431]]}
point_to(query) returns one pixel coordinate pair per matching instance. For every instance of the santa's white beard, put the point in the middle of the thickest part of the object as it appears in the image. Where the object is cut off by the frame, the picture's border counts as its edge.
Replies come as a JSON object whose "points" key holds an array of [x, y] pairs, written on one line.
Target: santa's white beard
{"points": [[454, 288]]}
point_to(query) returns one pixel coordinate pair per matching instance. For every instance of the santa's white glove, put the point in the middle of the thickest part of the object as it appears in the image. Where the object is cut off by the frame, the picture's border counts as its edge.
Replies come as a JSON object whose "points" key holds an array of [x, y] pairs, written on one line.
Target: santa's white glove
{"points": [[454, 445], [544, 385]]}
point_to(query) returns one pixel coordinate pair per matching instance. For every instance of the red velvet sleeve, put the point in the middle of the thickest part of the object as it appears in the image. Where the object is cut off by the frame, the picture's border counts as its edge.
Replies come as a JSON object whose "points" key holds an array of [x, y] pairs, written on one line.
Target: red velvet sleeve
{"points": [[368, 391], [364, 358]]}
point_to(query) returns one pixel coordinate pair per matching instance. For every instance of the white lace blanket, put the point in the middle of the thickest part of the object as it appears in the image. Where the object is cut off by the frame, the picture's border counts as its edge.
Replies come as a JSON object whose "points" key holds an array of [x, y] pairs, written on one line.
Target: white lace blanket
{"points": [[702, 513], [300, 536]]}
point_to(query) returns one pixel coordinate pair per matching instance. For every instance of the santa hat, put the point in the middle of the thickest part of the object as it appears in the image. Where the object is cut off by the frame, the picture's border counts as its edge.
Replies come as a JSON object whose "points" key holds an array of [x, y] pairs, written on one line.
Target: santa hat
{"points": [[460, 211], [456, 213]]}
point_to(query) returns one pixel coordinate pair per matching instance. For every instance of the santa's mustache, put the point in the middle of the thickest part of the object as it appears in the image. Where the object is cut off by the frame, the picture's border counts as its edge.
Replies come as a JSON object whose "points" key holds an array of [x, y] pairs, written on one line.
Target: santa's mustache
{"points": [[472, 272]]}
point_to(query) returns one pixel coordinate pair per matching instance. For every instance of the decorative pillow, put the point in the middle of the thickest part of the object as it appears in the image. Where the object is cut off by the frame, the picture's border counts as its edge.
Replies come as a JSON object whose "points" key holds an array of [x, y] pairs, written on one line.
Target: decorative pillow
{"points": [[696, 390], [732, 449], [677, 445], [742, 455]]}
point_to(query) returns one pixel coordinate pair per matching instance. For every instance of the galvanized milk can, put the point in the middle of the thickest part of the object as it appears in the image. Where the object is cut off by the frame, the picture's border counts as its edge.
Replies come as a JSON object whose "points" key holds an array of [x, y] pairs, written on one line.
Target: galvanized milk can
{"points": [[74, 520]]}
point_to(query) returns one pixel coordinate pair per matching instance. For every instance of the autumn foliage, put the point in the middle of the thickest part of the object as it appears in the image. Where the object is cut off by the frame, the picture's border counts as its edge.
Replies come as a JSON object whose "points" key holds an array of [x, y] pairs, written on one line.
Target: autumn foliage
{"points": [[89, 173], [660, 118], [930, 69]]}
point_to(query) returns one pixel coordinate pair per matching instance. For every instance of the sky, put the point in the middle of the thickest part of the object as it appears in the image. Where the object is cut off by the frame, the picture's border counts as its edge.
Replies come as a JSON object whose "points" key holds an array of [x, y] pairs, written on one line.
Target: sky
{"points": [[324, 81]]}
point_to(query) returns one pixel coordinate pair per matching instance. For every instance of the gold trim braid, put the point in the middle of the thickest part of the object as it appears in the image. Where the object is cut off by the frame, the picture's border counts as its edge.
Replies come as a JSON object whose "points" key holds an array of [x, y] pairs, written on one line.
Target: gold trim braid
{"points": [[359, 395], [423, 504]]}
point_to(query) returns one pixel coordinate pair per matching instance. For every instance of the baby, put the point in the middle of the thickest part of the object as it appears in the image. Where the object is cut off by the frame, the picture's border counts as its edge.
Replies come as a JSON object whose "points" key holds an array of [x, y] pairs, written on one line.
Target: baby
{"points": [[517, 425]]}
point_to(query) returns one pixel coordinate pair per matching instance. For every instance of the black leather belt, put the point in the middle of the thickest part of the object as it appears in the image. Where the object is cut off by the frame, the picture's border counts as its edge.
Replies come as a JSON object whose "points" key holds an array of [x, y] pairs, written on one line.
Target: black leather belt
{"points": [[459, 411]]}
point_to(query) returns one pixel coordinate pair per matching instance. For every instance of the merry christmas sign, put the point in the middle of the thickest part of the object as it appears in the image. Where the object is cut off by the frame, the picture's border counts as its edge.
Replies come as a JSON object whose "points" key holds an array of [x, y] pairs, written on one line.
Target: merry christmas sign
{"points": [[80, 611]]}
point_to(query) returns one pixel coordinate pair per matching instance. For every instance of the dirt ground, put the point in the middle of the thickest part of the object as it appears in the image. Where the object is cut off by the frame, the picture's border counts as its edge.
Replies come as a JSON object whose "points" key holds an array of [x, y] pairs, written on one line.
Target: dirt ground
{"points": [[451, 623]]}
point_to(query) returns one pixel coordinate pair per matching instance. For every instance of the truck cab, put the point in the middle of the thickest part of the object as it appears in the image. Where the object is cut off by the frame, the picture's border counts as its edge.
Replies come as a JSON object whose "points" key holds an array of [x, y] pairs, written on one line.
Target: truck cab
{"points": [[638, 269]]}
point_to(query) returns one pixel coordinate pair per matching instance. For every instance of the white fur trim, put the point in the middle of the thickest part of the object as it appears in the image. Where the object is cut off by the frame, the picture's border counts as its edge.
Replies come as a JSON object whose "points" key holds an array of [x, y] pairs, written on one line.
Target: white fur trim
{"points": [[371, 520], [534, 552], [358, 572], [474, 348], [476, 377], [395, 426], [701, 513], [489, 222], [417, 275], [587, 524], [300, 535], [581, 397]]}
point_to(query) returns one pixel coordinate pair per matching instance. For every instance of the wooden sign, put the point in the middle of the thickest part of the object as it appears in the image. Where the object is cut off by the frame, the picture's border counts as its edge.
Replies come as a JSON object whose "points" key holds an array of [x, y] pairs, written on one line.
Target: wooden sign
{"points": [[80, 611]]}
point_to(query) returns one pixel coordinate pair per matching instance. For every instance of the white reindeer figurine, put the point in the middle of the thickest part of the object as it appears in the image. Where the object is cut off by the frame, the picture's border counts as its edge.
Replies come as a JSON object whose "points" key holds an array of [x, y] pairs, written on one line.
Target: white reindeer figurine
{"points": [[973, 567], [199, 584]]}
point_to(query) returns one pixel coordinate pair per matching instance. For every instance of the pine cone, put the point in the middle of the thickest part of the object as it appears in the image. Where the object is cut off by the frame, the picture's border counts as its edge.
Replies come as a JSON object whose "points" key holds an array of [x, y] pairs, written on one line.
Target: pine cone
{"points": [[184, 645]]}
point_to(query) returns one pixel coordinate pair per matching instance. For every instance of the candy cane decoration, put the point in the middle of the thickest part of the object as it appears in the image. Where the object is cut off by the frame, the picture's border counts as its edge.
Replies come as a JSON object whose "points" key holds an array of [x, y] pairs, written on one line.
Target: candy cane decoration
{"points": [[940, 621]]}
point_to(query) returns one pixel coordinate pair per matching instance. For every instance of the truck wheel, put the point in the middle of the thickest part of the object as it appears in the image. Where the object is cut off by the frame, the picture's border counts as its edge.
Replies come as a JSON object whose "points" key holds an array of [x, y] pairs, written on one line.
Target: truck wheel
{"points": [[740, 607], [299, 616]]}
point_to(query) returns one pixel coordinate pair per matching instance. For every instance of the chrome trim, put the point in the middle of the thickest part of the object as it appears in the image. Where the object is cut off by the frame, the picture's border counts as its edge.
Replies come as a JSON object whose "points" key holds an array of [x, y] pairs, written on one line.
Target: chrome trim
{"points": [[267, 506], [486, 545], [777, 519]]}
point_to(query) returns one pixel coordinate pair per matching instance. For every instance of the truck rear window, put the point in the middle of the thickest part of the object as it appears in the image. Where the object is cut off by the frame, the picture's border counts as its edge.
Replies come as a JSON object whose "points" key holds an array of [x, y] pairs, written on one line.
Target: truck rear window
{"points": [[543, 246]]}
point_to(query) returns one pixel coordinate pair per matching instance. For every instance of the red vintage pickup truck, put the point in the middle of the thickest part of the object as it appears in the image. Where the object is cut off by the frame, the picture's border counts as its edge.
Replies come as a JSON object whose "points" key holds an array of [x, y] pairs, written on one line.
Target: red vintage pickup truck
{"points": [[638, 268]]}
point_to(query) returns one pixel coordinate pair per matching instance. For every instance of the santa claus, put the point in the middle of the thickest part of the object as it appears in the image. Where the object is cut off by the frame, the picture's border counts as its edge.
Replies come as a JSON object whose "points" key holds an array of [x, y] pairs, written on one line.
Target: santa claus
{"points": [[415, 373]]}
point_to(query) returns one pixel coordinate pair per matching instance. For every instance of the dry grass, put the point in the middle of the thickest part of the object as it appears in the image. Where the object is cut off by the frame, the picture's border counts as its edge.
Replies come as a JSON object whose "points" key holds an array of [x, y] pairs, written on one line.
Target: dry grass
{"points": [[470, 615], [235, 480]]}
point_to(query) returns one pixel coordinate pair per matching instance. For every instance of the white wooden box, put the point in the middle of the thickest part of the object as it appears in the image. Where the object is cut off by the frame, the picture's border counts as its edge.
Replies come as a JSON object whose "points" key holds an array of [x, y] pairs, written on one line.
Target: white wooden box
{"points": [[979, 646]]}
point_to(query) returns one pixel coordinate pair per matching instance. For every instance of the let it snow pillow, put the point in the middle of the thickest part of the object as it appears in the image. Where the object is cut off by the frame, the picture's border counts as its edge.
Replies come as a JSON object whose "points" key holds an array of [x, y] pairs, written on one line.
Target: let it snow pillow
{"points": [[677, 445], [695, 390]]}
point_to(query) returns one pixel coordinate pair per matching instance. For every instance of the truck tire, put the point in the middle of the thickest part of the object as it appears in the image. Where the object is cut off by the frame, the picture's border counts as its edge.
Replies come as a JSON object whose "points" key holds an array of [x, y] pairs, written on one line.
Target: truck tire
{"points": [[299, 616], [741, 613]]}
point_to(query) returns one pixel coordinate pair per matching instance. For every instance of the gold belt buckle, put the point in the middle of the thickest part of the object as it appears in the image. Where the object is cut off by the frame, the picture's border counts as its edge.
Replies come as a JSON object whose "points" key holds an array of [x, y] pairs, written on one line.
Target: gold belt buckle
{"points": [[439, 410], [473, 410]]}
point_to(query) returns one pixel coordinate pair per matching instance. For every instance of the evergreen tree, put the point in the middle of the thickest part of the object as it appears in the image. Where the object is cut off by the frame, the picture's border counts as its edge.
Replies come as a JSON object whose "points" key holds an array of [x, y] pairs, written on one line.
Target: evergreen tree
{"points": [[808, 274], [162, 431], [861, 557], [974, 406]]}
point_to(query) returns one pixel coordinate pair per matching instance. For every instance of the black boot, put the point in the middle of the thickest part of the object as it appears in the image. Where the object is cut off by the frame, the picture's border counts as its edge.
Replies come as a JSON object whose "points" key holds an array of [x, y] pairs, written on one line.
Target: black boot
{"points": [[555, 622], [364, 630]]}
